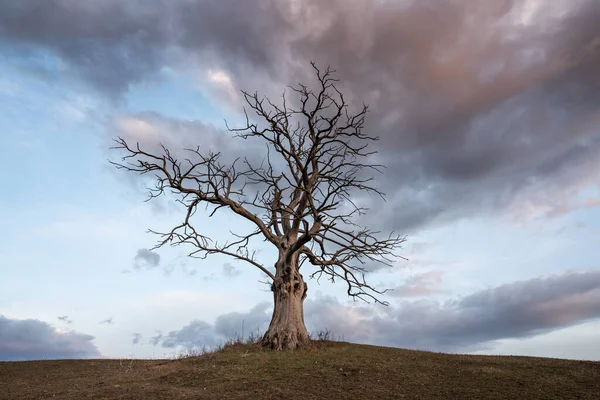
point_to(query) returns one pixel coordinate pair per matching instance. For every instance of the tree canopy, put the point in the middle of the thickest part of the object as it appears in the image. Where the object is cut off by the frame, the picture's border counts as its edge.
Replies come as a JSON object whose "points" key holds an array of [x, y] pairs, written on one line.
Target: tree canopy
{"points": [[299, 198]]}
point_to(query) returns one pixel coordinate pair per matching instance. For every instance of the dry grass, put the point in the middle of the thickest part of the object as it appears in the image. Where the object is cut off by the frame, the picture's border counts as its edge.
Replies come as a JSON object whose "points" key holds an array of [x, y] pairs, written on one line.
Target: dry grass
{"points": [[333, 370]]}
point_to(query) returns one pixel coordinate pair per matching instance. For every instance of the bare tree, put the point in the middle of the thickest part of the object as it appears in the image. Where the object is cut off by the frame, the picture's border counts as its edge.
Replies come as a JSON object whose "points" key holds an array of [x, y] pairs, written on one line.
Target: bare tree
{"points": [[298, 199]]}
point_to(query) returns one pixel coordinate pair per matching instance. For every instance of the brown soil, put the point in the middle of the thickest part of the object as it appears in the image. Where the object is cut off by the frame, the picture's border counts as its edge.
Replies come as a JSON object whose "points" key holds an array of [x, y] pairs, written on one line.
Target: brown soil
{"points": [[331, 370]]}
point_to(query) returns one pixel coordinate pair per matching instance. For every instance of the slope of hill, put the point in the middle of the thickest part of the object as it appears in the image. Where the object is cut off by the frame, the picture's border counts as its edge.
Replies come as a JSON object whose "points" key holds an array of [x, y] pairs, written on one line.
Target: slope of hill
{"points": [[334, 370]]}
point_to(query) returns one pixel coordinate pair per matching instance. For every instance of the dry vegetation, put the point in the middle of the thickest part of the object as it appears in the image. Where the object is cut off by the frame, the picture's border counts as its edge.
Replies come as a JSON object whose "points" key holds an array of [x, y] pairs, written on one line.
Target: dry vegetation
{"points": [[327, 369]]}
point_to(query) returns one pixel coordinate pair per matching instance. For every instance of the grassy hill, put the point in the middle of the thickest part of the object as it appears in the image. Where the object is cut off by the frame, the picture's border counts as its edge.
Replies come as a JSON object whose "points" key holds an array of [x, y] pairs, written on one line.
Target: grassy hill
{"points": [[333, 370]]}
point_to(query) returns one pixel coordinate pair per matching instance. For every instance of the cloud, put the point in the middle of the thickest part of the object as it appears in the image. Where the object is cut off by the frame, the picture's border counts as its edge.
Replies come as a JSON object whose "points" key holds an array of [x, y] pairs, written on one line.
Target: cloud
{"points": [[481, 108], [198, 334], [137, 129], [109, 56], [224, 90], [579, 224], [107, 321], [230, 271], [32, 339], [150, 129], [65, 319], [146, 258], [474, 322], [421, 247], [418, 285], [155, 340], [136, 338], [231, 325], [515, 310]]}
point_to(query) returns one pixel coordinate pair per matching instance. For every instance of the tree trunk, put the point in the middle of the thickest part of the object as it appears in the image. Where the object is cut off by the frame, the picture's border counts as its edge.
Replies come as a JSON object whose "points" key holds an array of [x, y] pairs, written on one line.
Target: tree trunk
{"points": [[287, 330]]}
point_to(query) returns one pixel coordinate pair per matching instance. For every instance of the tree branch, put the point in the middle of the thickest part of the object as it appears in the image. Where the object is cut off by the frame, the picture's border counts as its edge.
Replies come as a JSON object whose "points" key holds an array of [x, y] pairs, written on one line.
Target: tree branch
{"points": [[301, 198]]}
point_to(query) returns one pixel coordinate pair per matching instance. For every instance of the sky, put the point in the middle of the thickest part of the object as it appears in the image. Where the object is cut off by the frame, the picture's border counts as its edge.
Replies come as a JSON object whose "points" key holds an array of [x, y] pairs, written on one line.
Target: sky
{"points": [[488, 113]]}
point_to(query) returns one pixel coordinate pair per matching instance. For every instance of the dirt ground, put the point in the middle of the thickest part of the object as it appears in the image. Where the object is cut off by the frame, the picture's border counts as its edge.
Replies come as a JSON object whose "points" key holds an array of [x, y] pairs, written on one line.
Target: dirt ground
{"points": [[333, 370]]}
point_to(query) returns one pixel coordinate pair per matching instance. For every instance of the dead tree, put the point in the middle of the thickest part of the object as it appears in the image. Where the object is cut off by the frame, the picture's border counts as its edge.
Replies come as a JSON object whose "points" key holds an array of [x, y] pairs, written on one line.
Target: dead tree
{"points": [[299, 198]]}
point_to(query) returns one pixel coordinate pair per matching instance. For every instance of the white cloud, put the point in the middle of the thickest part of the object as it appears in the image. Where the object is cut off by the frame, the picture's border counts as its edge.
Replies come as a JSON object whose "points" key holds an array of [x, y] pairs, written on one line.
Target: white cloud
{"points": [[424, 284], [137, 129], [223, 88]]}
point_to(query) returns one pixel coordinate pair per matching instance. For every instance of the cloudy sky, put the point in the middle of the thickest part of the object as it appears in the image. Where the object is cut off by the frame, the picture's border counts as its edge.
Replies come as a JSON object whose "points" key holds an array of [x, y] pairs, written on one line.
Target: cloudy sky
{"points": [[489, 117]]}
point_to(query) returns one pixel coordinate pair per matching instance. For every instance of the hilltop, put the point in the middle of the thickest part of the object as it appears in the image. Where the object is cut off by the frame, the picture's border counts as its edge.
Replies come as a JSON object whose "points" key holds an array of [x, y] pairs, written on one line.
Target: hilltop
{"points": [[334, 370]]}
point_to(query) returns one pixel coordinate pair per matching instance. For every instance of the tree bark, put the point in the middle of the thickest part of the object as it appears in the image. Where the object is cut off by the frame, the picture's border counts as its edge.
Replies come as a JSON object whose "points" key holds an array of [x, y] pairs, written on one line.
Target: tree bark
{"points": [[287, 330]]}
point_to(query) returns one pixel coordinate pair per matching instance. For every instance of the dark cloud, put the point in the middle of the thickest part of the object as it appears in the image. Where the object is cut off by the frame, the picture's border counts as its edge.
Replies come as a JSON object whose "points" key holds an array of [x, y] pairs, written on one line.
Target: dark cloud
{"points": [[146, 258], [32, 339], [107, 321], [115, 44], [257, 319], [155, 340], [65, 319], [196, 334], [516, 310], [136, 338], [478, 109], [110, 44]]}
